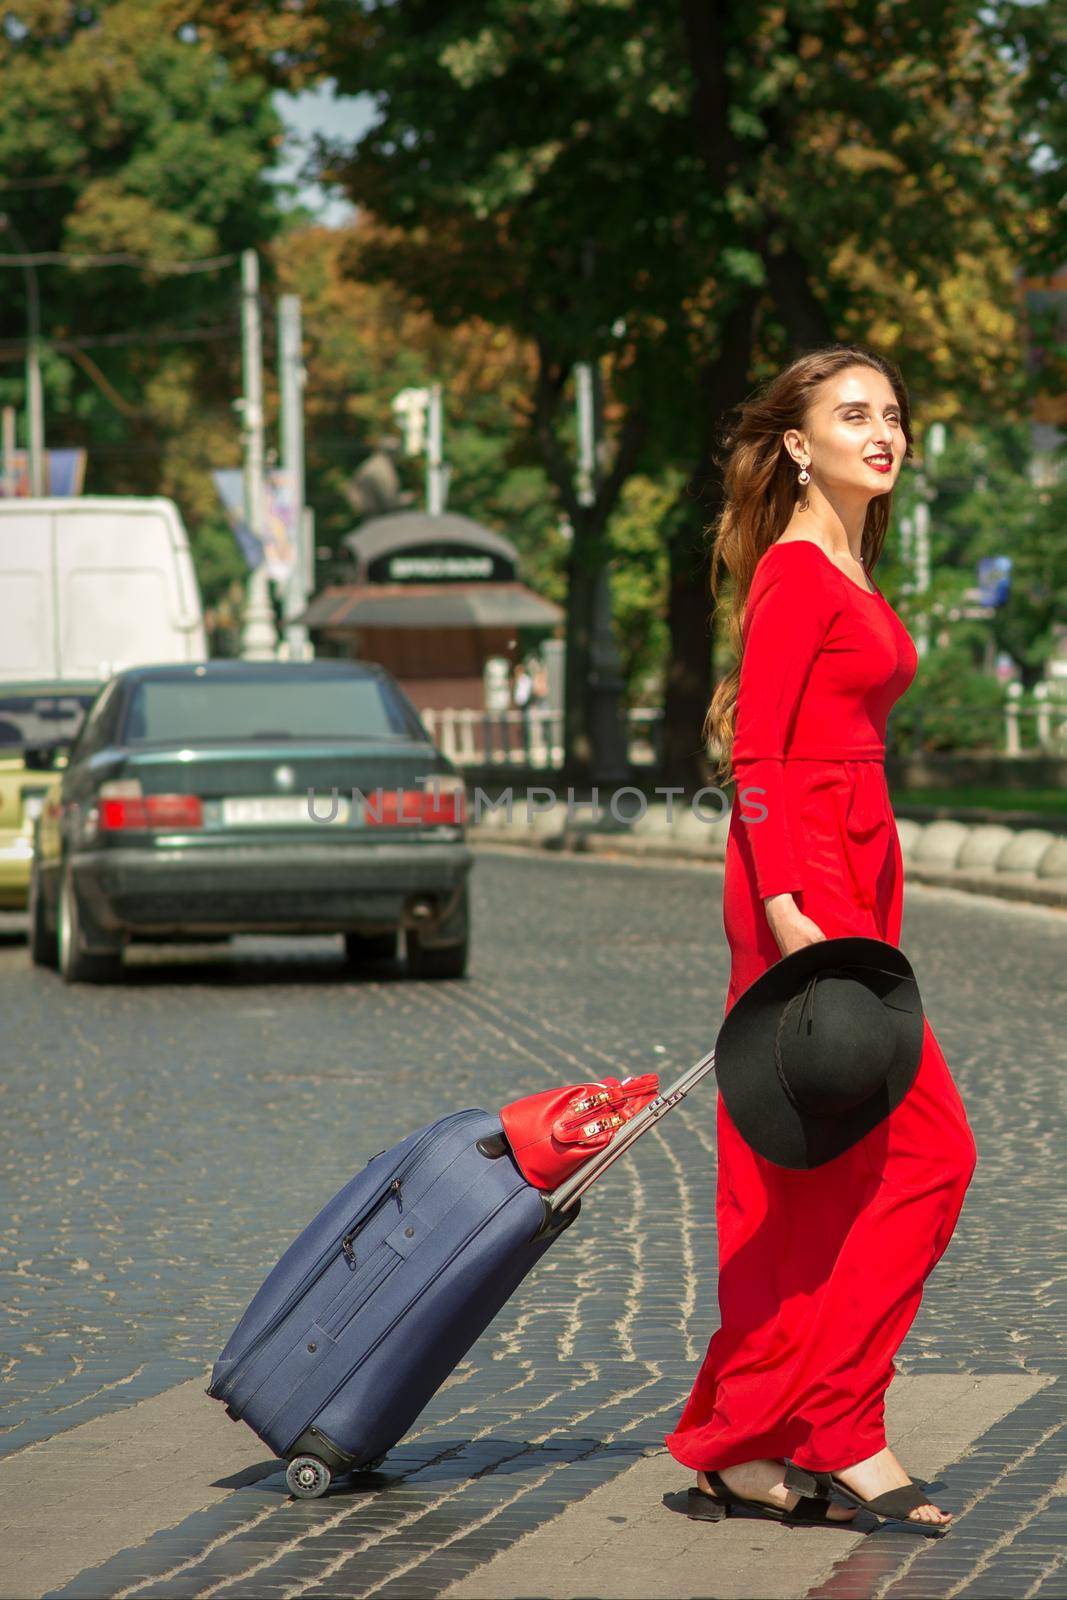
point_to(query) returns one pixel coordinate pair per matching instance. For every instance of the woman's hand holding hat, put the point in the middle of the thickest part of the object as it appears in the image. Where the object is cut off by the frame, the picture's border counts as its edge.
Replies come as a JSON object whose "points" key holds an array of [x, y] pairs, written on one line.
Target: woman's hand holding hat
{"points": [[791, 928]]}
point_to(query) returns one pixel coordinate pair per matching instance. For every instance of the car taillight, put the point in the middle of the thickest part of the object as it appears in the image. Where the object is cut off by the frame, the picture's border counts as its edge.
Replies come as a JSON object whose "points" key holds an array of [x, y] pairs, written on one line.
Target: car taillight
{"points": [[443, 804], [450, 804], [123, 806]]}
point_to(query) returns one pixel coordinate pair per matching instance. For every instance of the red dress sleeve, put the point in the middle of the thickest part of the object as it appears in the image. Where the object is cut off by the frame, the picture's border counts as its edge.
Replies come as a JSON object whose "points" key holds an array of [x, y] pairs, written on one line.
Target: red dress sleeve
{"points": [[787, 615]]}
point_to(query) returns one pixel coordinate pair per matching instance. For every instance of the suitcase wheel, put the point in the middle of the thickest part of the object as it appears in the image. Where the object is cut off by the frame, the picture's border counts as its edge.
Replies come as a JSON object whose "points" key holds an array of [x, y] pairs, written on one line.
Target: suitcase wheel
{"points": [[308, 1477]]}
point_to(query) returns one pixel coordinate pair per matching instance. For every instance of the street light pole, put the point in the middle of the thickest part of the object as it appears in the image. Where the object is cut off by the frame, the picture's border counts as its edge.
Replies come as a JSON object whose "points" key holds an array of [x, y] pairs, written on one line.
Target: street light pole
{"points": [[934, 446], [8, 429], [583, 399], [607, 730], [291, 386], [259, 636], [34, 387], [435, 467]]}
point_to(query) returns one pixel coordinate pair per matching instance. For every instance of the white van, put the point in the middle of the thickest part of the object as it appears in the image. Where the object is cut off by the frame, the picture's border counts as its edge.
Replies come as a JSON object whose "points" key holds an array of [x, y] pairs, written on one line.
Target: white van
{"points": [[92, 585]]}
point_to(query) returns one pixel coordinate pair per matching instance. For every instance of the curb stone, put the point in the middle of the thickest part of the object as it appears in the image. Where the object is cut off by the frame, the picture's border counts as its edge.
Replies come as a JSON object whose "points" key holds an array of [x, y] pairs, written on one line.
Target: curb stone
{"points": [[1020, 864]]}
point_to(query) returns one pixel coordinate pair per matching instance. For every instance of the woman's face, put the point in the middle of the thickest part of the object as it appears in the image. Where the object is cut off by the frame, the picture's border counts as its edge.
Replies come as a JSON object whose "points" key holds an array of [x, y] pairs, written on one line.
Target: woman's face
{"points": [[854, 438]]}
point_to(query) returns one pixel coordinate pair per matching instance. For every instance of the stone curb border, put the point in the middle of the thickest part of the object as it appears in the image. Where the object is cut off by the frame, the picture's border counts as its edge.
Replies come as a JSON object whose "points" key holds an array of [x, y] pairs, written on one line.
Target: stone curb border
{"points": [[1024, 864]]}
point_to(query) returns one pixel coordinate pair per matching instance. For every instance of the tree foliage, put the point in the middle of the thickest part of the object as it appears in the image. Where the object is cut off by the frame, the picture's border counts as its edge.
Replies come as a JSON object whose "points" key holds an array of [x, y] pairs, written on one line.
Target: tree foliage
{"points": [[143, 127], [688, 195], [364, 342], [696, 193]]}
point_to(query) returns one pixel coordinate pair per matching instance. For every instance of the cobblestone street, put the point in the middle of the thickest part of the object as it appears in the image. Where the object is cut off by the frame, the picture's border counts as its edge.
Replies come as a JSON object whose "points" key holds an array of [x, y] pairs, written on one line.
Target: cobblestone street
{"points": [[166, 1137]]}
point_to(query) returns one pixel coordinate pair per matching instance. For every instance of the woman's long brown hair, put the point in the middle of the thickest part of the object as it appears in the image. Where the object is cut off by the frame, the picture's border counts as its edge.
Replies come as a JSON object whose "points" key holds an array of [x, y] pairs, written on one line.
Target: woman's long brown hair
{"points": [[761, 491]]}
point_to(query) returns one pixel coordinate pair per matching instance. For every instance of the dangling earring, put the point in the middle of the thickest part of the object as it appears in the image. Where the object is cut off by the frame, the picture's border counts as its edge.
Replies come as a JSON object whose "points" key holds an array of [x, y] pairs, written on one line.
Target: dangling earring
{"points": [[803, 476]]}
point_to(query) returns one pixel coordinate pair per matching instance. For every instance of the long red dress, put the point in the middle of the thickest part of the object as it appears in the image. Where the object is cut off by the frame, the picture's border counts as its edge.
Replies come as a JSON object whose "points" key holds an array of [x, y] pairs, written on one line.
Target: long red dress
{"points": [[820, 1271]]}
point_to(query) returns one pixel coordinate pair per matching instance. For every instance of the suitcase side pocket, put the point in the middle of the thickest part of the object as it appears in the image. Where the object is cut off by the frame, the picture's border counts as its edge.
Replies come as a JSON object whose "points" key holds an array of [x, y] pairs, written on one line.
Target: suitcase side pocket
{"points": [[381, 1263], [304, 1406]]}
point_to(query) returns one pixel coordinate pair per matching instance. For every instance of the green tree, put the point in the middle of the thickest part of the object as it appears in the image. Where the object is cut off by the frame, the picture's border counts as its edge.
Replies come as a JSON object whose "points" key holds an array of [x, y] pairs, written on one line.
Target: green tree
{"points": [[693, 195], [638, 565], [363, 344], [142, 127], [987, 503]]}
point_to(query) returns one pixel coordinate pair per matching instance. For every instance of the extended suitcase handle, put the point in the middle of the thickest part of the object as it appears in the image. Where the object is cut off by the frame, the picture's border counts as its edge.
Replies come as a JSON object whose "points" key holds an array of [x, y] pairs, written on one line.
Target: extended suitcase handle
{"points": [[563, 1198]]}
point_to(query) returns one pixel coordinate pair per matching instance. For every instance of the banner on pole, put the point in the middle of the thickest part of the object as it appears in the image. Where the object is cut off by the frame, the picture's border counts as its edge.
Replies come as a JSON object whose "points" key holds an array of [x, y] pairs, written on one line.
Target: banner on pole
{"points": [[276, 549], [64, 475], [66, 471], [230, 483], [994, 580], [279, 524]]}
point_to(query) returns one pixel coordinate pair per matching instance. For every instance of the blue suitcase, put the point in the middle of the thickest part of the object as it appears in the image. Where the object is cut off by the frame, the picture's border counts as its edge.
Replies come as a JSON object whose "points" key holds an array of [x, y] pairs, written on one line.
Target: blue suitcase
{"points": [[385, 1291]]}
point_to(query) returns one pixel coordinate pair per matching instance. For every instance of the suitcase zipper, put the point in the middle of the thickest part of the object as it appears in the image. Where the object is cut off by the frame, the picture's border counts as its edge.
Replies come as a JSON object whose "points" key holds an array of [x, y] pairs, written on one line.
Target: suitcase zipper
{"points": [[347, 1247], [414, 1160], [378, 1266], [442, 1268]]}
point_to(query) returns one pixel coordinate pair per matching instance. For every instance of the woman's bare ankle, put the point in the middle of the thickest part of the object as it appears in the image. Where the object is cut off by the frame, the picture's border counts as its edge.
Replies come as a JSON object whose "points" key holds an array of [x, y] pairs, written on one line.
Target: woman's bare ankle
{"points": [[750, 1478], [764, 1480]]}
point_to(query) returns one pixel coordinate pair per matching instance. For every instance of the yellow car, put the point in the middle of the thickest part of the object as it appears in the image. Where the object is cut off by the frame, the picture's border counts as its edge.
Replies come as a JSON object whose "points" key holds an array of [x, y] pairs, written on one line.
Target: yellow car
{"points": [[38, 723]]}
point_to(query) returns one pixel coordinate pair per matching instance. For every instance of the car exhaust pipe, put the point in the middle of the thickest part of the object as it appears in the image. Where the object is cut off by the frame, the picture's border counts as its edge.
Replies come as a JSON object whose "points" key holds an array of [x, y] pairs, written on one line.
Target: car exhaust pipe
{"points": [[421, 911]]}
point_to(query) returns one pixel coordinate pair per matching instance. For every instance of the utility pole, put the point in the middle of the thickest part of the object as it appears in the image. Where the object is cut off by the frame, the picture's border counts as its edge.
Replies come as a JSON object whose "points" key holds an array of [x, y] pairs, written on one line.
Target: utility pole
{"points": [[607, 731], [9, 451], [436, 471], [584, 404], [259, 637], [934, 445], [35, 396], [921, 528], [34, 387], [291, 378]]}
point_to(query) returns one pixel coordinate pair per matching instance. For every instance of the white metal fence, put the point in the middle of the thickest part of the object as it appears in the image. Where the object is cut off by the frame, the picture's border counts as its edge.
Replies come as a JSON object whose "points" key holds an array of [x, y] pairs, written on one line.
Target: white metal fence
{"points": [[531, 738], [1035, 719], [1046, 707]]}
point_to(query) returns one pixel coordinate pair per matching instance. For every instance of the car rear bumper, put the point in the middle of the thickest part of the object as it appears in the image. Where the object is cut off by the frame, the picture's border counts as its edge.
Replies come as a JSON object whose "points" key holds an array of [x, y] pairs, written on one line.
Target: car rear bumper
{"points": [[245, 888]]}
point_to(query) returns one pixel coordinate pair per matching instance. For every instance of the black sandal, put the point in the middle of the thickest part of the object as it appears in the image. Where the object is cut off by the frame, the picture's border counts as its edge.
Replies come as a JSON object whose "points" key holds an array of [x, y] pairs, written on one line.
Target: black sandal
{"points": [[892, 1506], [810, 1508], [930, 1486]]}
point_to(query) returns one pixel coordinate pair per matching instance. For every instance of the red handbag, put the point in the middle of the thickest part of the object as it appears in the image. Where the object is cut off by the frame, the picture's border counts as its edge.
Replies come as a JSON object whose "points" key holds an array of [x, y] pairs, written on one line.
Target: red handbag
{"points": [[552, 1133]]}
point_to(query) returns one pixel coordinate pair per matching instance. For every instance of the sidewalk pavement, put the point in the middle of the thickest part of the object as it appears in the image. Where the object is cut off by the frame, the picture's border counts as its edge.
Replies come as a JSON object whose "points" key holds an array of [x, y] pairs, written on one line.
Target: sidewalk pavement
{"points": [[1024, 864], [121, 1494], [626, 1540]]}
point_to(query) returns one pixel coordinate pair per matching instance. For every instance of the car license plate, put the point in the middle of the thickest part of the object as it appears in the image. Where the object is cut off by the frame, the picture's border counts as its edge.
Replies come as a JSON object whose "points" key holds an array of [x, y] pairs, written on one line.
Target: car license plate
{"points": [[270, 809]]}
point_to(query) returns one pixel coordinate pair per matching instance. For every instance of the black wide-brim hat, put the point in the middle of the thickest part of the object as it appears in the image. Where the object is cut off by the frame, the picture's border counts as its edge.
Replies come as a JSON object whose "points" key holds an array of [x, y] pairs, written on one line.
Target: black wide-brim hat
{"points": [[872, 1033]]}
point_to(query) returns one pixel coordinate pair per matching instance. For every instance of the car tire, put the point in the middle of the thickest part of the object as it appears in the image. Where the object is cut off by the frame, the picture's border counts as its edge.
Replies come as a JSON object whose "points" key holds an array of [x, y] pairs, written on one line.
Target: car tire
{"points": [[442, 961], [76, 964], [449, 962], [43, 940], [361, 947]]}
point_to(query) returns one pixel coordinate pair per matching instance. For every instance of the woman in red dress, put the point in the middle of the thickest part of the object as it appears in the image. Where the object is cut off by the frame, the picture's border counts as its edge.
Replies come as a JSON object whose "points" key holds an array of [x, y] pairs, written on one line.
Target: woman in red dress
{"points": [[820, 1271]]}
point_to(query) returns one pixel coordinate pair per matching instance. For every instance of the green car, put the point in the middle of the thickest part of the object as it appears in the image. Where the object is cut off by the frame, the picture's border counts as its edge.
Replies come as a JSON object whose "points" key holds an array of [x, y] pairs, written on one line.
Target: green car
{"points": [[202, 800]]}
